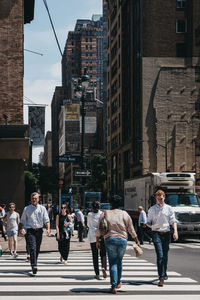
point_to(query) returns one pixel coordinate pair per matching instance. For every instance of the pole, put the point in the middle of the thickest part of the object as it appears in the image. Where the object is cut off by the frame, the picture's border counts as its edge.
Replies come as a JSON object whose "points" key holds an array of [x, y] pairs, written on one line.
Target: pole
{"points": [[83, 161], [83, 113], [166, 163]]}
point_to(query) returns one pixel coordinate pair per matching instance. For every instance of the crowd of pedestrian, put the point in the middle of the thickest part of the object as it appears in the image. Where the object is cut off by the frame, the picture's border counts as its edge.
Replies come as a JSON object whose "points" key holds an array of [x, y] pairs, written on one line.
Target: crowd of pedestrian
{"points": [[155, 226]]}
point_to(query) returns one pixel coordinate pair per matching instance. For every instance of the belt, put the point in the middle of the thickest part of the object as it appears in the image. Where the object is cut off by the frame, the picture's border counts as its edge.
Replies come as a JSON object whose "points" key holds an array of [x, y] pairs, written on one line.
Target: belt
{"points": [[35, 229], [162, 232]]}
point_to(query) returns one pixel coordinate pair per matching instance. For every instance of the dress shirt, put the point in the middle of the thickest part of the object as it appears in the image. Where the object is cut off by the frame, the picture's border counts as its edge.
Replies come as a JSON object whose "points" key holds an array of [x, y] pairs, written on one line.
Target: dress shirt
{"points": [[92, 222], [161, 217], [80, 217], [34, 216], [142, 218]]}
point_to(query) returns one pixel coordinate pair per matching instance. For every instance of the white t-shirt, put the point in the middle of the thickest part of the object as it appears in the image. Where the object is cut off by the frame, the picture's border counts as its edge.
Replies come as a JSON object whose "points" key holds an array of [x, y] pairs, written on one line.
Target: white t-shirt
{"points": [[92, 222], [12, 220]]}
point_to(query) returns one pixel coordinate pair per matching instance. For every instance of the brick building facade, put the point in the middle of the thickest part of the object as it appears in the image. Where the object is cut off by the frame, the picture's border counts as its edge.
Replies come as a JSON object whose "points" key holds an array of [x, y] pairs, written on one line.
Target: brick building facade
{"points": [[14, 137], [153, 88]]}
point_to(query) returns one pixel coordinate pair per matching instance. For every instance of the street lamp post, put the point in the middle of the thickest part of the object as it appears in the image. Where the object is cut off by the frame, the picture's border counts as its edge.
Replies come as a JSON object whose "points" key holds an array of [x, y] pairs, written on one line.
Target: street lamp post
{"points": [[83, 113], [80, 89]]}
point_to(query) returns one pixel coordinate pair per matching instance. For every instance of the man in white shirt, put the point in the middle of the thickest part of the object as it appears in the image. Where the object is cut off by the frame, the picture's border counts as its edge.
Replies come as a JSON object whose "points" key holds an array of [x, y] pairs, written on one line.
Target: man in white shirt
{"points": [[33, 219], [160, 217], [142, 226], [81, 223]]}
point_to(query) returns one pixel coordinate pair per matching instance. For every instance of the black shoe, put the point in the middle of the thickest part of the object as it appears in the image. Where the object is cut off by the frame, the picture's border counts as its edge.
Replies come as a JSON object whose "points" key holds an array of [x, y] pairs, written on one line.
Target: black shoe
{"points": [[166, 277], [34, 269], [150, 241]]}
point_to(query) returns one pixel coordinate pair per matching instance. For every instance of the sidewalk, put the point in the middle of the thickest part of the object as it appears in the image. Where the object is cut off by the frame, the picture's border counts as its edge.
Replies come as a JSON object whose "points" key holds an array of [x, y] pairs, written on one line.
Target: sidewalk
{"points": [[49, 243]]}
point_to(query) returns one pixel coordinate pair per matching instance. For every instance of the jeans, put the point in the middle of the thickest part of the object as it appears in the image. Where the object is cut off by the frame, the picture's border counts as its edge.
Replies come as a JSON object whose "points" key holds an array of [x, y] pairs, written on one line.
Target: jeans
{"points": [[161, 243], [115, 248]]}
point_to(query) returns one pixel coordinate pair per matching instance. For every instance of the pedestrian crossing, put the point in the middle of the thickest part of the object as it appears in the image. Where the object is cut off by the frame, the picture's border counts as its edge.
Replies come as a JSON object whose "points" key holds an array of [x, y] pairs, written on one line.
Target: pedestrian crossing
{"points": [[75, 280]]}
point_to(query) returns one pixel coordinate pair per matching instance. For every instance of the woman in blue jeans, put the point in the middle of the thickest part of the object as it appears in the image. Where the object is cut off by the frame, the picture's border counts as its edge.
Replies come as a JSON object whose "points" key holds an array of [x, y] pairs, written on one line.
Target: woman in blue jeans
{"points": [[119, 223]]}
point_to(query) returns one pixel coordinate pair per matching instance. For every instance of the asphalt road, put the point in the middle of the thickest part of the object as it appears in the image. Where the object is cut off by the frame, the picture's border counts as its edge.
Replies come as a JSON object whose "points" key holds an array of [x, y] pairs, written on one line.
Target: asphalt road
{"points": [[184, 260]]}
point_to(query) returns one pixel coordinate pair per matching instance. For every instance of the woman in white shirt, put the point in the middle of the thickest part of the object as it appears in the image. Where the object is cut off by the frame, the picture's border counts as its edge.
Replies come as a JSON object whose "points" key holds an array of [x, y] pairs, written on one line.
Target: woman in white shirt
{"points": [[92, 222], [11, 220]]}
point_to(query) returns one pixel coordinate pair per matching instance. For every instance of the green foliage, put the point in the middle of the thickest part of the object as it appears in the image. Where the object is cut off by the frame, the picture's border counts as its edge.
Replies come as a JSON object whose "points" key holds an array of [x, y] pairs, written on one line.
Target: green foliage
{"points": [[99, 173], [48, 179], [30, 185]]}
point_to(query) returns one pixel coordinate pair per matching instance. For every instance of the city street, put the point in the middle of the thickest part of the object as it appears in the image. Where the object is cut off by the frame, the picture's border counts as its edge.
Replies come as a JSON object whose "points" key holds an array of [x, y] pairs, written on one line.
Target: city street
{"points": [[76, 279]]}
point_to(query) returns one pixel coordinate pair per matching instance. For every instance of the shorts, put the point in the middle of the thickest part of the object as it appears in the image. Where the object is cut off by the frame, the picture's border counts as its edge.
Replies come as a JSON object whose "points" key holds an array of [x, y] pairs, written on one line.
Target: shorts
{"points": [[12, 232]]}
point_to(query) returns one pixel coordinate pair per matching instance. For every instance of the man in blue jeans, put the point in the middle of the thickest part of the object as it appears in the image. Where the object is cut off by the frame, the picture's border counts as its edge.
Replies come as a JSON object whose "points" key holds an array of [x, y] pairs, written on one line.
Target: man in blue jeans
{"points": [[160, 217]]}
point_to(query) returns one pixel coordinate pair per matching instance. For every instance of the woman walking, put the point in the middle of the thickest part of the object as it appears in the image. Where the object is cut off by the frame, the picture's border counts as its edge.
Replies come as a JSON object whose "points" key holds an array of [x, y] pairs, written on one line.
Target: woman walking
{"points": [[11, 220], [63, 230], [92, 222], [119, 223]]}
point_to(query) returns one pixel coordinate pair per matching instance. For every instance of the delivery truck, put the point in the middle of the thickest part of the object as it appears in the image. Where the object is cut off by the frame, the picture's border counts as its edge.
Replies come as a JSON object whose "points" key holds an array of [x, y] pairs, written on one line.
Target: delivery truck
{"points": [[180, 194]]}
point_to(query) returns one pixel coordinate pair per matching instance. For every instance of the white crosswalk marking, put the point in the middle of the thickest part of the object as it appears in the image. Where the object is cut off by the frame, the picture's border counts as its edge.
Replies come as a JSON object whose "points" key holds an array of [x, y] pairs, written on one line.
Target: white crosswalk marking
{"points": [[56, 281]]}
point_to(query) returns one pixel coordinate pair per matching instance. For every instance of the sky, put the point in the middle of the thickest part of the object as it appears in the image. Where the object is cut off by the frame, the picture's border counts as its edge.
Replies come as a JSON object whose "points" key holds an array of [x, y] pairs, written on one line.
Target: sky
{"points": [[42, 73]]}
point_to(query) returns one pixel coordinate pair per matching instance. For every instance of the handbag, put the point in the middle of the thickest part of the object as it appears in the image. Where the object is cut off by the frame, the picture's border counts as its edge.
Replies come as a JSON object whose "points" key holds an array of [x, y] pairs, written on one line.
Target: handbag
{"points": [[103, 225], [138, 251]]}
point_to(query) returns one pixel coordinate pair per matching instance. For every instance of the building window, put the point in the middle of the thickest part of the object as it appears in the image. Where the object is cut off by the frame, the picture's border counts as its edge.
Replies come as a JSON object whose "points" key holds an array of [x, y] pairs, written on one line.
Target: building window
{"points": [[181, 26], [181, 50], [180, 3]]}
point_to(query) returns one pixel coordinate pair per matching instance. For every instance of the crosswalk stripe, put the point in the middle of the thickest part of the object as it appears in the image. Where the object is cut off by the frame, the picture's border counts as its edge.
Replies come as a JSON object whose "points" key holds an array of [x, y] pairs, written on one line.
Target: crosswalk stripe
{"points": [[66, 280], [67, 288], [102, 297]]}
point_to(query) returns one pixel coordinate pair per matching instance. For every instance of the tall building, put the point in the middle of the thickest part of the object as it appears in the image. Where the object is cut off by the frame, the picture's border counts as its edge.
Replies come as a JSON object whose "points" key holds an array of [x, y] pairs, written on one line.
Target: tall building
{"points": [[84, 49], [47, 159], [14, 137], [153, 88]]}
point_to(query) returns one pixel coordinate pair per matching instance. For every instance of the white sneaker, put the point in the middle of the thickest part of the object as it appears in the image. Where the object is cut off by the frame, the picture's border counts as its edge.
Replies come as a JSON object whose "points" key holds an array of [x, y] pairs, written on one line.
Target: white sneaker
{"points": [[15, 255]]}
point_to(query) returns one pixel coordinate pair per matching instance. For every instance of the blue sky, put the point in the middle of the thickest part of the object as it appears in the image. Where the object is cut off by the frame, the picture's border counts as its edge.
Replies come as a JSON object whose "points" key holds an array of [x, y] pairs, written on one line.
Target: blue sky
{"points": [[43, 73]]}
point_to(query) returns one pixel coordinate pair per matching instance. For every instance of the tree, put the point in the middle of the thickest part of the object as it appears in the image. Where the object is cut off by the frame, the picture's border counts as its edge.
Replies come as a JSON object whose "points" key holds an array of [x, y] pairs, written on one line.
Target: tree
{"points": [[99, 173], [30, 185], [48, 179]]}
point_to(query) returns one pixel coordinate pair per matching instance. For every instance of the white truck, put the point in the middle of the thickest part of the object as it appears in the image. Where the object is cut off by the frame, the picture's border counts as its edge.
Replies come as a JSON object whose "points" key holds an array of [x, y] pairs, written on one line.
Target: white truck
{"points": [[180, 194]]}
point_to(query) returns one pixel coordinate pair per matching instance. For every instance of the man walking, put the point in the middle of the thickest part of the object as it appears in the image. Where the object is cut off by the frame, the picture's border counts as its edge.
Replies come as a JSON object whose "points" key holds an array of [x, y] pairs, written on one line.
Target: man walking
{"points": [[81, 223], [33, 219], [160, 217], [142, 226]]}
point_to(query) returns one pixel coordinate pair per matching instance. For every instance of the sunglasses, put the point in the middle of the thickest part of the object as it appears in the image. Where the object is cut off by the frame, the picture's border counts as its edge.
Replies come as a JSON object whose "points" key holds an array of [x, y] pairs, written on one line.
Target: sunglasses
{"points": [[63, 207], [11, 207]]}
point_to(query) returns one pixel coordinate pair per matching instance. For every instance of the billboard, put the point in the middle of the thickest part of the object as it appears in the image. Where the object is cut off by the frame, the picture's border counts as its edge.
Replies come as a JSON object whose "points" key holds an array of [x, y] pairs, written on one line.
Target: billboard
{"points": [[36, 117], [72, 112]]}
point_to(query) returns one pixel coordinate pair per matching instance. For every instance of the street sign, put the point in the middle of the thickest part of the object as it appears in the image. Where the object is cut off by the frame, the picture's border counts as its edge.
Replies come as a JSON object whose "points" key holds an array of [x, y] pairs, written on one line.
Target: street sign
{"points": [[68, 158], [83, 173]]}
